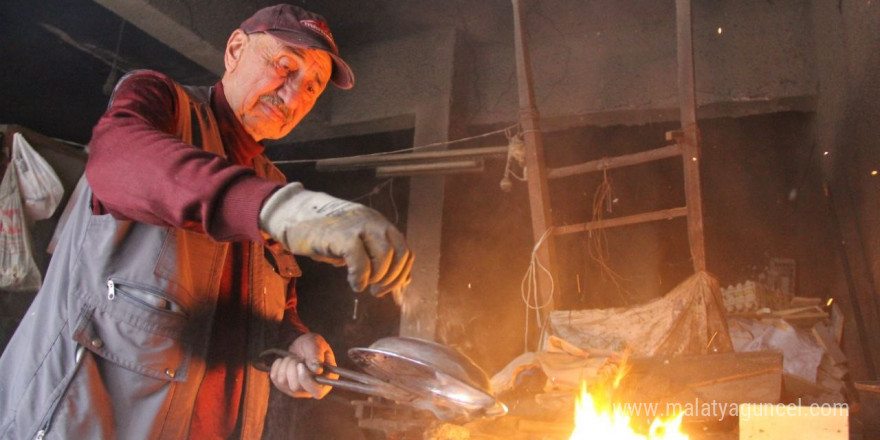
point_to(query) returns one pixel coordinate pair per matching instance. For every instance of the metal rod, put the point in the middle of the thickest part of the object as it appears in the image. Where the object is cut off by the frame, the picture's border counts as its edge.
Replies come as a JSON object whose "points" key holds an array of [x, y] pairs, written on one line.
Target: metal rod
{"points": [[430, 168], [539, 194], [387, 159]]}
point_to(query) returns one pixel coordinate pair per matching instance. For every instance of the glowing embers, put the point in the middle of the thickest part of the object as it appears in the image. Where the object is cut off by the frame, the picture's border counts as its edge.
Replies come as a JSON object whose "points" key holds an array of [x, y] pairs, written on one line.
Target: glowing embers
{"points": [[597, 418]]}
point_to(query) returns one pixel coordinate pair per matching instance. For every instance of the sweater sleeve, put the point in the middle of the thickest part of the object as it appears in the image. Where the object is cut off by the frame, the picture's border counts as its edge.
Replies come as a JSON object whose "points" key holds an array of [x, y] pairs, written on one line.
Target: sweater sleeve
{"points": [[138, 170]]}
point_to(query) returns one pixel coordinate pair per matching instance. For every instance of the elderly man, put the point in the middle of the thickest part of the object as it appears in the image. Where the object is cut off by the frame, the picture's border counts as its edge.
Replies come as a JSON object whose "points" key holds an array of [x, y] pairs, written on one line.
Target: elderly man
{"points": [[175, 269]]}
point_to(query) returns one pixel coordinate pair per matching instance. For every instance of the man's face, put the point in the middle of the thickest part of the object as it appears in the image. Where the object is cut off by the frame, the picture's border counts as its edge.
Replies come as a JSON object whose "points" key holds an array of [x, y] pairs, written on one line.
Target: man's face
{"points": [[272, 86]]}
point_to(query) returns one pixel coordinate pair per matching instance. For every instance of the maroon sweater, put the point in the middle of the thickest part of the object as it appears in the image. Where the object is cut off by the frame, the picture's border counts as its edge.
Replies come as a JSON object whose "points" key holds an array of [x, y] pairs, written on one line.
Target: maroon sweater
{"points": [[139, 171]]}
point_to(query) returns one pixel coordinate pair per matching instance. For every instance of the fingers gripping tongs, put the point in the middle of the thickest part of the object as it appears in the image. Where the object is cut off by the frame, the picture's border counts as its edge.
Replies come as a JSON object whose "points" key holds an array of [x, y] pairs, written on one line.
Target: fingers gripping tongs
{"points": [[423, 374], [357, 382]]}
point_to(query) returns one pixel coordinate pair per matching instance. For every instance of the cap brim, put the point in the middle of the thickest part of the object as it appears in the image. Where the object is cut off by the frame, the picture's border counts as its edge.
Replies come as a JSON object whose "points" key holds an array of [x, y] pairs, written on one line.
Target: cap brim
{"points": [[342, 75]]}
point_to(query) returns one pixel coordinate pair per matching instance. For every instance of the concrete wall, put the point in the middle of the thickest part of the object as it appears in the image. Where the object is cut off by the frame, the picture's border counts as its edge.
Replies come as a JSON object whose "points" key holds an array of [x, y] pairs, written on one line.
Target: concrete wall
{"points": [[607, 62], [848, 61], [399, 93], [611, 64], [594, 57]]}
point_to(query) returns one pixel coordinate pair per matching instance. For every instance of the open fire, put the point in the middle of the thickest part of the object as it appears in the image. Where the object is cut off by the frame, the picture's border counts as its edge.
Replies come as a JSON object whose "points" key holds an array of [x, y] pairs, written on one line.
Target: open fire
{"points": [[597, 418]]}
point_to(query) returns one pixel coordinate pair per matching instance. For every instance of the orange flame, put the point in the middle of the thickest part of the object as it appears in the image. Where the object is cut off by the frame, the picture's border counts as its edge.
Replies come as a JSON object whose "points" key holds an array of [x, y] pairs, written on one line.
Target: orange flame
{"points": [[596, 418]]}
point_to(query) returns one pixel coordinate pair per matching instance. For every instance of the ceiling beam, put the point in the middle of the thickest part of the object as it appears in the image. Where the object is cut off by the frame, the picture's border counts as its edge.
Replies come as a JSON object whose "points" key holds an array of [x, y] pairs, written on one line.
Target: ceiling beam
{"points": [[164, 28]]}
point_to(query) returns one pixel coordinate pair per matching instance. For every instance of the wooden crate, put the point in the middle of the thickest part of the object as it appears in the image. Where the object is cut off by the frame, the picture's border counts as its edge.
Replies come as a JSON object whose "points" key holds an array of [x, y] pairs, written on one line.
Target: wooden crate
{"points": [[786, 422]]}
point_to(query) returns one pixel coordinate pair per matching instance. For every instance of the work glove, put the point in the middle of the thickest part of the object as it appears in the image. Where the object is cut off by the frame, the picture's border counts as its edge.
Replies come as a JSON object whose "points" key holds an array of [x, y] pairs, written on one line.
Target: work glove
{"points": [[340, 232]]}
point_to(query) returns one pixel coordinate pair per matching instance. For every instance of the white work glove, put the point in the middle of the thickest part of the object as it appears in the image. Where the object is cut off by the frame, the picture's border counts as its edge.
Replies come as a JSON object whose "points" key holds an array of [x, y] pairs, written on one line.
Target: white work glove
{"points": [[340, 232]]}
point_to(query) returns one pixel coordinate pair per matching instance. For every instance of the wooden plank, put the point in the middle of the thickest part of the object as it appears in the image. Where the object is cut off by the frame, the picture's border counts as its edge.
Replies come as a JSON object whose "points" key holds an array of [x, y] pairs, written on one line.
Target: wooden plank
{"points": [[795, 386], [803, 301], [799, 310], [785, 422], [539, 193], [714, 382], [690, 141], [666, 214], [827, 342], [837, 323], [607, 163], [803, 317], [835, 371]]}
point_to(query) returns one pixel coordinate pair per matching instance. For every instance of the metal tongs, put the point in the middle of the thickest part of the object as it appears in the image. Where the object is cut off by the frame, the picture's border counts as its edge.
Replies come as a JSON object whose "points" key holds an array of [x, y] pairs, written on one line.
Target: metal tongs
{"points": [[358, 382], [415, 372]]}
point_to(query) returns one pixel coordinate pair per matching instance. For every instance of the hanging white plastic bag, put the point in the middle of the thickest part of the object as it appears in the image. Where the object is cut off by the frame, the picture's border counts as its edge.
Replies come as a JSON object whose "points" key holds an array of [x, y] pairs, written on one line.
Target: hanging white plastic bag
{"points": [[40, 188], [18, 271]]}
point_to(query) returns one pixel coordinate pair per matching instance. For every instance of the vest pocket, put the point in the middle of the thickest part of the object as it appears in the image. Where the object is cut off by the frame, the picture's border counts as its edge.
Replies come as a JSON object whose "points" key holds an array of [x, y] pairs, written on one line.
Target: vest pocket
{"points": [[147, 340], [144, 297]]}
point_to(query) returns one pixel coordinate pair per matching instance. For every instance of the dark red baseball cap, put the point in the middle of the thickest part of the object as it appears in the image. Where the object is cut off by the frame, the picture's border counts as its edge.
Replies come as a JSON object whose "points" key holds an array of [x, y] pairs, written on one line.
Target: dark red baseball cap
{"points": [[300, 28]]}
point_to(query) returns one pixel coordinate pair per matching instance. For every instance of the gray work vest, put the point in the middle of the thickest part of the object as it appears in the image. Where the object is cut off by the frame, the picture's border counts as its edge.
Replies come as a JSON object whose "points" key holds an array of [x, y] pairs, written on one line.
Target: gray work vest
{"points": [[114, 344]]}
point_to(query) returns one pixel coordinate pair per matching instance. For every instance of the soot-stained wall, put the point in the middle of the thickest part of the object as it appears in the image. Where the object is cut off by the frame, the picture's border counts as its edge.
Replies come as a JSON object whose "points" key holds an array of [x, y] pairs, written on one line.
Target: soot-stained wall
{"points": [[762, 195]]}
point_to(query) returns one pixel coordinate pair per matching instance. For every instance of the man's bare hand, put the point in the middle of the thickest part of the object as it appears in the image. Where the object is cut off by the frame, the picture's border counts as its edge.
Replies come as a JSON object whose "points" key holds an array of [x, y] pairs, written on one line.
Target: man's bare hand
{"points": [[296, 378]]}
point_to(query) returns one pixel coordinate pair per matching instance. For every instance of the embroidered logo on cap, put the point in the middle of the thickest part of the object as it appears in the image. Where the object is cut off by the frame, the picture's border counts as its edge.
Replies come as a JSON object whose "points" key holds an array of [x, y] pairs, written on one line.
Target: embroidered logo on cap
{"points": [[320, 28]]}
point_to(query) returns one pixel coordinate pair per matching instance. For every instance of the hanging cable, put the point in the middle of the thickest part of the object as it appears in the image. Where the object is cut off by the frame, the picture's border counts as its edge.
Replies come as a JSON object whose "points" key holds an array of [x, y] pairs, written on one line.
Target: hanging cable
{"points": [[393, 202], [597, 241], [375, 191], [110, 83], [529, 289]]}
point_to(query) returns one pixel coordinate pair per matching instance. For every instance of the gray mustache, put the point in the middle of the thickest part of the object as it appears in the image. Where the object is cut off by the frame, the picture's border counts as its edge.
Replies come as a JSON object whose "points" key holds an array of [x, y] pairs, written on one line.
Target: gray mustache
{"points": [[277, 103]]}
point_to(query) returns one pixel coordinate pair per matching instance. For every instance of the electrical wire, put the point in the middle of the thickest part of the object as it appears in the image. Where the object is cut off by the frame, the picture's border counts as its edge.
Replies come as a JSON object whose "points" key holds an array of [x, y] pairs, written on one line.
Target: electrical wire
{"points": [[375, 191], [505, 130], [529, 289], [393, 202], [110, 83], [597, 241]]}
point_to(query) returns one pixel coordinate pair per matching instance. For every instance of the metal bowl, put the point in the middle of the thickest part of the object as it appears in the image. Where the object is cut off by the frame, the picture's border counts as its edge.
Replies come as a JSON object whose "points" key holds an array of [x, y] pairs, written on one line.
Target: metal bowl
{"points": [[430, 370]]}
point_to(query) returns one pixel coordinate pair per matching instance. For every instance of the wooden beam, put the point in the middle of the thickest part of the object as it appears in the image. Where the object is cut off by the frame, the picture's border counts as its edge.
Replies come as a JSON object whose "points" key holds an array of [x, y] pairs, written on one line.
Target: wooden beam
{"points": [[607, 163], [666, 214], [539, 194], [690, 139], [162, 27]]}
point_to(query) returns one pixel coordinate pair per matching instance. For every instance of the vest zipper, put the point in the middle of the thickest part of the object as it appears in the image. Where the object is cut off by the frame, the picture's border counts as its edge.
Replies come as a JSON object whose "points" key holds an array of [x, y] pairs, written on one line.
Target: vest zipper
{"points": [[44, 429], [144, 296]]}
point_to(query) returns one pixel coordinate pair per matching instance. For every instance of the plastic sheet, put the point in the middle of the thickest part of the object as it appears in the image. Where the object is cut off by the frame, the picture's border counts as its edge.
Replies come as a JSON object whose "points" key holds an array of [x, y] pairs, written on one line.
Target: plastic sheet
{"points": [[687, 320], [801, 354]]}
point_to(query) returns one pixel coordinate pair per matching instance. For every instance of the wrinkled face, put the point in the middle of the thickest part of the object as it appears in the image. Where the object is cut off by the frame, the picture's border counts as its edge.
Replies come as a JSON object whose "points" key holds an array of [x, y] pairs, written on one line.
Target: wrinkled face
{"points": [[271, 86]]}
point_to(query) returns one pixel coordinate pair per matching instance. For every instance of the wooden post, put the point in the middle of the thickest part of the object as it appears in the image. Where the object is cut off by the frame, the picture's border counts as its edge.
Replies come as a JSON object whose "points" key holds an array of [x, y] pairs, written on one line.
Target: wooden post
{"points": [[539, 195], [690, 139]]}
